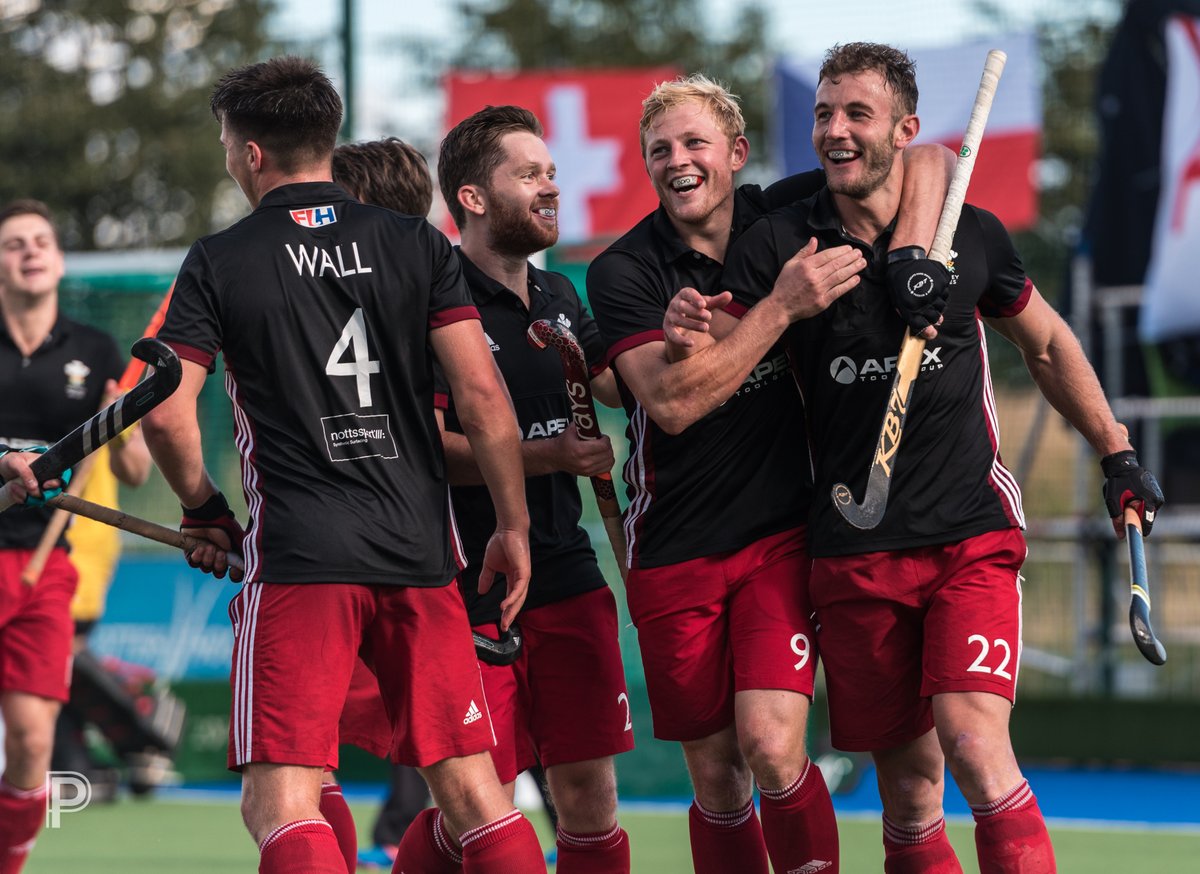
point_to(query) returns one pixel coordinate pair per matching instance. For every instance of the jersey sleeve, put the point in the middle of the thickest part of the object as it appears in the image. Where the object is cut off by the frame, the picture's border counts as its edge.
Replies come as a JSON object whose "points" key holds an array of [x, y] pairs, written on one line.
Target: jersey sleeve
{"points": [[449, 298], [192, 326], [591, 342], [628, 302], [1008, 288], [793, 188], [750, 267]]}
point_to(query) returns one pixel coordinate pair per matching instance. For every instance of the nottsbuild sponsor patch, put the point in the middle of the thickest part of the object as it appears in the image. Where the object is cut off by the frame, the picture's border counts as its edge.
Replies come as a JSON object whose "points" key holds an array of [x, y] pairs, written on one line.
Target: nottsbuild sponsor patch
{"points": [[351, 436]]}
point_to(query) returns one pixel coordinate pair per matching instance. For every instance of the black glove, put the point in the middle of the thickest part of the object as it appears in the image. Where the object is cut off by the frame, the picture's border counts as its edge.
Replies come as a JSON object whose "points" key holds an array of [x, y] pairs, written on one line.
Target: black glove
{"points": [[214, 513], [919, 287], [1126, 481]]}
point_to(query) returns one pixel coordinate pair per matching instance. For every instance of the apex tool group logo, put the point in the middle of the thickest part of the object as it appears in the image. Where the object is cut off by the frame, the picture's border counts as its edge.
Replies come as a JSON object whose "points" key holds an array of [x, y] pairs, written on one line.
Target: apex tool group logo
{"points": [[846, 370], [314, 216]]}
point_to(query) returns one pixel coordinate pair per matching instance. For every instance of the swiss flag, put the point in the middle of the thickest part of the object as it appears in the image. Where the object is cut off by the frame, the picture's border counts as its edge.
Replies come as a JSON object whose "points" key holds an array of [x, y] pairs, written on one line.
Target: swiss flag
{"points": [[591, 129], [1003, 180]]}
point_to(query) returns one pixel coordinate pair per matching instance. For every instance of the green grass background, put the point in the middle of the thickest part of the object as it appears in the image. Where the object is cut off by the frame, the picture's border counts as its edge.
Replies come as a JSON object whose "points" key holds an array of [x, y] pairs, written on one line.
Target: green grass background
{"points": [[177, 837]]}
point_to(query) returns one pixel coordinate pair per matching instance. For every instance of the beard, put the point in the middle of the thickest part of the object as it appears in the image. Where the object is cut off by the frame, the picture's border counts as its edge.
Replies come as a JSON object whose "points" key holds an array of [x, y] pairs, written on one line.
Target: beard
{"points": [[877, 159], [516, 233]]}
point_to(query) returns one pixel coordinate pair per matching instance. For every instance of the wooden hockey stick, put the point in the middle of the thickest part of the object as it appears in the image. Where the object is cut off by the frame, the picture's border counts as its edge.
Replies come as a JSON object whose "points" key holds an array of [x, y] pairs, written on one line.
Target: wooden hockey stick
{"points": [[1147, 641], [870, 512], [541, 334]]}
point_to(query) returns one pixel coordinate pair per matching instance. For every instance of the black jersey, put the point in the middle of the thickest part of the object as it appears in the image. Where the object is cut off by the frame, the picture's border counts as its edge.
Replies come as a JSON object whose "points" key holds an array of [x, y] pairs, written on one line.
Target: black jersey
{"points": [[46, 396], [322, 307], [736, 475], [562, 561], [949, 481]]}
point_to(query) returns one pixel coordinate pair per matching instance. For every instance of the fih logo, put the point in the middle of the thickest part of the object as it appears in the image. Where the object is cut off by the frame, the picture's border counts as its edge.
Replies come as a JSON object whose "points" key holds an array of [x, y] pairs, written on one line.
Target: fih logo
{"points": [[66, 792]]}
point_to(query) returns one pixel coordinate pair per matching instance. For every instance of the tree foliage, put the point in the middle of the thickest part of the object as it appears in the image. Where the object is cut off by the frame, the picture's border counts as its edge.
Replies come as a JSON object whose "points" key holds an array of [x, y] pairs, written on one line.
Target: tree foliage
{"points": [[549, 34], [104, 112]]}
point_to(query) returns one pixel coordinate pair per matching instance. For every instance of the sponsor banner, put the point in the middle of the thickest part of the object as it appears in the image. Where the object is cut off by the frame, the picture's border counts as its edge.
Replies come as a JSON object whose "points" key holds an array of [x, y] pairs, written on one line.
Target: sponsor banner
{"points": [[590, 119], [1003, 181], [169, 617]]}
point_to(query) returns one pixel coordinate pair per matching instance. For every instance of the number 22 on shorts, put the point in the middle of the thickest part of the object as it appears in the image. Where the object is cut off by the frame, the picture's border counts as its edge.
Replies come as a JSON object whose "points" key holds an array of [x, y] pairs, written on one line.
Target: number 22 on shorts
{"points": [[978, 666]]}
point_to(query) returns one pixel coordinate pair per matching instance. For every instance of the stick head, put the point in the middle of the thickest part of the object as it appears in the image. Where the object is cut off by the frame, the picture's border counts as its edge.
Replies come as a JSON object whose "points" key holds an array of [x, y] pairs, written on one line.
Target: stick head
{"points": [[1144, 637], [167, 369], [499, 651]]}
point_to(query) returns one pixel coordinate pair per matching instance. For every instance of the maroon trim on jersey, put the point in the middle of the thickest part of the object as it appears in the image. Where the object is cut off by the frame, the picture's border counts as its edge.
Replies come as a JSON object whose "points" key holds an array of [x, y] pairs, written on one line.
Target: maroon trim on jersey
{"points": [[1003, 483], [633, 341], [639, 470], [1008, 310], [191, 353], [442, 318], [441, 400], [243, 433], [737, 310]]}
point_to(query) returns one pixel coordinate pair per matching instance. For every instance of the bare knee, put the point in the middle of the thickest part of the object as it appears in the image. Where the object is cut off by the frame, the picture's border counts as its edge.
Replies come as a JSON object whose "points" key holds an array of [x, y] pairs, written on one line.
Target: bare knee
{"points": [[973, 732], [720, 774], [770, 728], [911, 780], [274, 795], [585, 794], [467, 791]]}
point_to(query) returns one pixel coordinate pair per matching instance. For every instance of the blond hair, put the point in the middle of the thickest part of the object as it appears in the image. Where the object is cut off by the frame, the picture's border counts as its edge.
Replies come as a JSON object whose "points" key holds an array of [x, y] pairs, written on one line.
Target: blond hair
{"points": [[696, 88]]}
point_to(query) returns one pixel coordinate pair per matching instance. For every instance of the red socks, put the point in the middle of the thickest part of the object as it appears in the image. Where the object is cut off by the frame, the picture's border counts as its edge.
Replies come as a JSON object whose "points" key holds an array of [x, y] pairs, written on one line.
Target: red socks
{"points": [[1011, 835], [337, 814], [601, 853], [508, 845], [22, 812], [426, 848], [728, 841], [798, 824], [306, 846], [918, 849]]}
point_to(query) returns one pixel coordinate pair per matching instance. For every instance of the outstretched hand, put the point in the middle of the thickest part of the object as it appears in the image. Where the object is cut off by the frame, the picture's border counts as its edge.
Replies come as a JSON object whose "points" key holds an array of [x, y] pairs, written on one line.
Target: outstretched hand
{"points": [[507, 553], [690, 313], [813, 279]]}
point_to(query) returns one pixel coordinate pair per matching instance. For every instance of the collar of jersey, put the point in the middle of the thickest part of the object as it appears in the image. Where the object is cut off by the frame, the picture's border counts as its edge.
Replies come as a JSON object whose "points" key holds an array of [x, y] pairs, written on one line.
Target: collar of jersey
{"points": [[484, 288], [300, 193]]}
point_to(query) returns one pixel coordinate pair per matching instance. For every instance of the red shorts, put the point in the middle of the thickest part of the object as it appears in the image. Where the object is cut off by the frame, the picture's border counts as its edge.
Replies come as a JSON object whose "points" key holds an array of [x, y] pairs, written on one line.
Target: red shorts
{"points": [[364, 721], [898, 627], [294, 651], [36, 628], [564, 699], [722, 624]]}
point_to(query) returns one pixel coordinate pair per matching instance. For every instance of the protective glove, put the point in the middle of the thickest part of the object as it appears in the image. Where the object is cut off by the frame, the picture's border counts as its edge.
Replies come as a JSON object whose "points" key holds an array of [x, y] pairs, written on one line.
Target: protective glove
{"points": [[919, 287], [213, 513], [1126, 482]]}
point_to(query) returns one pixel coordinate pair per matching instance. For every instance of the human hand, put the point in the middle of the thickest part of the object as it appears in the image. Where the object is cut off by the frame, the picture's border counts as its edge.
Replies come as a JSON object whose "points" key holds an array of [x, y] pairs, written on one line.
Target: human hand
{"points": [[507, 553], [812, 280], [691, 312], [919, 288], [215, 525], [1127, 483], [581, 457]]}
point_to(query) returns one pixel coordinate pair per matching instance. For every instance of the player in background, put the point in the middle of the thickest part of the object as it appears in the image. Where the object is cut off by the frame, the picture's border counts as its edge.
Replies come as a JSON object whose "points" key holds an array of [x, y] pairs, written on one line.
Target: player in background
{"points": [[350, 547], [563, 703], [920, 617], [718, 498], [54, 374]]}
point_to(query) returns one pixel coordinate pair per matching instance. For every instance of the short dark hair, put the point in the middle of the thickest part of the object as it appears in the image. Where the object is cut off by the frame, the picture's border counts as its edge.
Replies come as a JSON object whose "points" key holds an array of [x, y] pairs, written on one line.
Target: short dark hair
{"points": [[29, 206], [387, 172], [286, 105], [893, 64], [470, 153]]}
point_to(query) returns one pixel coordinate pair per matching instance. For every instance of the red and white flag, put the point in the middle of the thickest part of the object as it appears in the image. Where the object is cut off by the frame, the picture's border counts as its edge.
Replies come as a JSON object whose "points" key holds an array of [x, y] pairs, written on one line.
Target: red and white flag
{"points": [[1171, 306], [591, 129], [1004, 179]]}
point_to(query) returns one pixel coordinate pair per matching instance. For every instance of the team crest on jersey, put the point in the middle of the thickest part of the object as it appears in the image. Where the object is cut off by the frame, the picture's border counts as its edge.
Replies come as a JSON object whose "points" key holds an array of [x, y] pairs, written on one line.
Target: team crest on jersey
{"points": [[77, 374], [314, 216]]}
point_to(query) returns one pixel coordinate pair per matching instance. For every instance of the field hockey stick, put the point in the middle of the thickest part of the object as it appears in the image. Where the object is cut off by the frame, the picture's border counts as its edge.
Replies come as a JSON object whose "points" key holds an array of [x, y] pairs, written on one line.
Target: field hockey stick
{"points": [[79, 478], [110, 421], [1147, 641], [869, 513], [541, 334], [134, 525]]}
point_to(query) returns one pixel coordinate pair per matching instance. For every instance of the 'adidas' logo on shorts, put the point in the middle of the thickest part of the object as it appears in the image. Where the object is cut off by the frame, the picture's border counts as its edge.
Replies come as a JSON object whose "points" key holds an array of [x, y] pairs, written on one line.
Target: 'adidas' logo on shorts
{"points": [[473, 714]]}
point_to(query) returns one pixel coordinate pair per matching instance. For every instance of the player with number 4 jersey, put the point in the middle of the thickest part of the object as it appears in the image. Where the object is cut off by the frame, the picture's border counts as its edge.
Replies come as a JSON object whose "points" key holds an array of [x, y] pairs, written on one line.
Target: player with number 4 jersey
{"points": [[328, 313]]}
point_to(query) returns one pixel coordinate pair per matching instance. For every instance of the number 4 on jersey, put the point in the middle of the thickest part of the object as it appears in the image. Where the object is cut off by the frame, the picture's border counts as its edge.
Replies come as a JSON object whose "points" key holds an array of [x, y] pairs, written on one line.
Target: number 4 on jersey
{"points": [[354, 337]]}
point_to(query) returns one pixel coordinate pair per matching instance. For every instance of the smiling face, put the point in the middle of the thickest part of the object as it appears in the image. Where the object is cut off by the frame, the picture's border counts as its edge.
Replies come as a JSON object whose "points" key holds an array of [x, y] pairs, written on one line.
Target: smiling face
{"points": [[522, 198], [857, 133], [31, 262], [691, 162]]}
